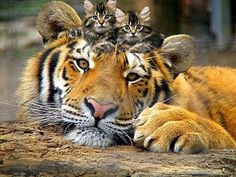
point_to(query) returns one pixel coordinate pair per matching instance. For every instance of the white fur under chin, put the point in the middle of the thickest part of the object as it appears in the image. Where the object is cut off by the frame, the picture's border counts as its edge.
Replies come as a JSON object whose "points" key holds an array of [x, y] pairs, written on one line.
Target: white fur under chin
{"points": [[90, 137]]}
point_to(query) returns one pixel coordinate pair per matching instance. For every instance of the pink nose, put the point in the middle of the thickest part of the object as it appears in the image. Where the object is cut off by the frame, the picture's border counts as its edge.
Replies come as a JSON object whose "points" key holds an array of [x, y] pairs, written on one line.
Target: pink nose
{"points": [[98, 110]]}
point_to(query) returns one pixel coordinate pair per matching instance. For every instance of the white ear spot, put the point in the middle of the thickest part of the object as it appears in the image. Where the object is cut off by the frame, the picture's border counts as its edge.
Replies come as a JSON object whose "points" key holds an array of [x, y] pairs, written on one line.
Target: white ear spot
{"points": [[111, 4], [88, 6], [144, 14], [120, 15]]}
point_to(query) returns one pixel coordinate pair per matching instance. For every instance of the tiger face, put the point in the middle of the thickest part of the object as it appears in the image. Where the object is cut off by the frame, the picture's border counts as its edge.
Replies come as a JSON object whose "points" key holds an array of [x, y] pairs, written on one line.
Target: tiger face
{"points": [[102, 96], [98, 97]]}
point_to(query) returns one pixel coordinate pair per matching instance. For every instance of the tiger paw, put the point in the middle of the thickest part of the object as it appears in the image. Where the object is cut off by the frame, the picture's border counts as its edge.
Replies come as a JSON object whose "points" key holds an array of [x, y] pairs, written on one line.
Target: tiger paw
{"points": [[165, 128]]}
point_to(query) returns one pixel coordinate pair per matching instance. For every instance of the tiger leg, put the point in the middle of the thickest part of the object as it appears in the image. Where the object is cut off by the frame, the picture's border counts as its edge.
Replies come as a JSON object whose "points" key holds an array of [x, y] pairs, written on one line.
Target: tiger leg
{"points": [[165, 128]]}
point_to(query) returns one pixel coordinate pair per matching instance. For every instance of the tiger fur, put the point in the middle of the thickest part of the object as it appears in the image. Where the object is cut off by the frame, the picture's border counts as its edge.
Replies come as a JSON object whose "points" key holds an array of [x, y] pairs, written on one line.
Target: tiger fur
{"points": [[169, 106]]}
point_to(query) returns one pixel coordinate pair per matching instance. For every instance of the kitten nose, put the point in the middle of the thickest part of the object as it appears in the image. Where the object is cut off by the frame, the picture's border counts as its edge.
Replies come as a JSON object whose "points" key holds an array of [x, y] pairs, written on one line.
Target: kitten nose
{"points": [[100, 111], [133, 32], [101, 22]]}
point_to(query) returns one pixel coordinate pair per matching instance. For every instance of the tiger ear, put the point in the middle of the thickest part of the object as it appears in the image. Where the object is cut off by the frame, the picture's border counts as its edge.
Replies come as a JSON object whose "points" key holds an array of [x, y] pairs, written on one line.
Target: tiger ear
{"points": [[111, 4], [54, 18], [120, 15], [144, 14], [88, 7], [179, 52]]}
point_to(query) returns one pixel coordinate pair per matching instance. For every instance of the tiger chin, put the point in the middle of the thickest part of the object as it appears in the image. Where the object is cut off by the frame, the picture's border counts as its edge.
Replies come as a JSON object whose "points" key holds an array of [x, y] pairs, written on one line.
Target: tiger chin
{"points": [[168, 105]]}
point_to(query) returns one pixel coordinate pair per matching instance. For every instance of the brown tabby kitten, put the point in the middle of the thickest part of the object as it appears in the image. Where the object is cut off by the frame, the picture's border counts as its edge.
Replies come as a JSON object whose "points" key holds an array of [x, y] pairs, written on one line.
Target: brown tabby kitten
{"points": [[98, 25], [133, 31]]}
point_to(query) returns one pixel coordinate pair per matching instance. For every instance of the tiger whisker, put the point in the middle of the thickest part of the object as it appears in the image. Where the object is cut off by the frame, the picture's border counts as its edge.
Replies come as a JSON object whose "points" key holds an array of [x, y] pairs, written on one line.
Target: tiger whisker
{"points": [[62, 124], [123, 138], [173, 96], [129, 138], [65, 130], [10, 104]]}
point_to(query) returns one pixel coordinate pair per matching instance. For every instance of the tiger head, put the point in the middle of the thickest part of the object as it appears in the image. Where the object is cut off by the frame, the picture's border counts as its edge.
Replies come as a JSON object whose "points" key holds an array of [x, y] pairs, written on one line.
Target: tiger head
{"points": [[99, 96]]}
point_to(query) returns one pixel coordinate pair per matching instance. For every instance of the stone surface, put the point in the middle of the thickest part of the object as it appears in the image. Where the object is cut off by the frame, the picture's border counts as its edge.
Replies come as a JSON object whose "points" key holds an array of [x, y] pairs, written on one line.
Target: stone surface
{"points": [[27, 149]]}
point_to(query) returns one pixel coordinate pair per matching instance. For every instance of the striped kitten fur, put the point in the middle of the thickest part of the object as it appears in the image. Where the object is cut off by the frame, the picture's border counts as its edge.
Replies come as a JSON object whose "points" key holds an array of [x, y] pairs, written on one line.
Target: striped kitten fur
{"points": [[98, 25], [133, 31]]}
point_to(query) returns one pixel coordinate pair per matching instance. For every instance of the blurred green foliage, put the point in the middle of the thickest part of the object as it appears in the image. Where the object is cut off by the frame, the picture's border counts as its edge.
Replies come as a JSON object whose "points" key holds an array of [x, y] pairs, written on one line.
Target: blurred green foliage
{"points": [[13, 9]]}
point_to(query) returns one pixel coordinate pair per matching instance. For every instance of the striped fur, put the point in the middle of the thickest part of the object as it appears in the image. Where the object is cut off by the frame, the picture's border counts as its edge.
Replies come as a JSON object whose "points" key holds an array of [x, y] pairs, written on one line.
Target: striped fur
{"points": [[99, 22], [54, 89], [56, 81], [134, 31]]}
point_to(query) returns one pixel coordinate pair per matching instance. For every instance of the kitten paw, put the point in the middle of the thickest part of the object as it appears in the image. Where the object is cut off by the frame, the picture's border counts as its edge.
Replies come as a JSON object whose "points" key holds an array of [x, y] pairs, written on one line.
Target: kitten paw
{"points": [[71, 33], [122, 48], [74, 33], [103, 47], [141, 48]]}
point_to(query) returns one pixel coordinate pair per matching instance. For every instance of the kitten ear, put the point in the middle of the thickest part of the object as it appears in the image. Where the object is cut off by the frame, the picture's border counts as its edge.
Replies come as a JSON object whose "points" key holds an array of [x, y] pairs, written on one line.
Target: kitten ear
{"points": [[111, 4], [144, 14], [88, 6], [120, 15]]}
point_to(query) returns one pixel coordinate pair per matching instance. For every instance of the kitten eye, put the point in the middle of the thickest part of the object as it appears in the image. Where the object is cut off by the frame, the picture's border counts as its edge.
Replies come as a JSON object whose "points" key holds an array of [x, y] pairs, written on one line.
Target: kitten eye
{"points": [[107, 17], [139, 27], [82, 64], [126, 27], [95, 17], [133, 77]]}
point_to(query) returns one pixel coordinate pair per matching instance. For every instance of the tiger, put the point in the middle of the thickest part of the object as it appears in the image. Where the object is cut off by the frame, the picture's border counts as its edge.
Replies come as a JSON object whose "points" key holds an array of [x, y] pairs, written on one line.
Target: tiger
{"points": [[157, 101]]}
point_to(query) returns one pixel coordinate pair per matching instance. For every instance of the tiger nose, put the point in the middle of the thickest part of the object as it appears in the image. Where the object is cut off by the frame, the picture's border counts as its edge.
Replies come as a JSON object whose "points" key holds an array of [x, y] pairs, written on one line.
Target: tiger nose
{"points": [[98, 110]]}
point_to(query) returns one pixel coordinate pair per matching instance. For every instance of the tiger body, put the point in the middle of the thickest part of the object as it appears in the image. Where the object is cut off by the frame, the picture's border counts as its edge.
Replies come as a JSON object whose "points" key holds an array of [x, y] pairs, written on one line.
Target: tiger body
{"points": [[209, 92], [105, 98], [51, 77]]}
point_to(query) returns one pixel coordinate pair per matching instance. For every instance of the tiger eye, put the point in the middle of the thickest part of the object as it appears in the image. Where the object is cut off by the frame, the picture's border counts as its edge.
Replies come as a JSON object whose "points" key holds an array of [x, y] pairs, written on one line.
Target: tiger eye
{"points": [[132, 76], [83, 63]]}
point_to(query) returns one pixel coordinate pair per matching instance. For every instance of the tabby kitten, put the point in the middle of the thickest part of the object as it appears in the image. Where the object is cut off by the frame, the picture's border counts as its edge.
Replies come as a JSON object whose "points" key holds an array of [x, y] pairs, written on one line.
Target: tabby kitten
{"points": [[135, 33], [98, 27]]}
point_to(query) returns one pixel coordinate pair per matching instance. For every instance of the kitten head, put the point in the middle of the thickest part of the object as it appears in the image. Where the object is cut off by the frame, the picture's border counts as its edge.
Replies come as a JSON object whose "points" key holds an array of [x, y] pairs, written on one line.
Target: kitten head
{"points": [[133, 26], [100, 18]]}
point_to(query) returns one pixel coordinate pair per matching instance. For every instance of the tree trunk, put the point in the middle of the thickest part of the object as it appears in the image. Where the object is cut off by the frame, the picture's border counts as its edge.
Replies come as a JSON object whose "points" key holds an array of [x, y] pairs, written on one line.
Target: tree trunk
{"points": [[31, 150]]}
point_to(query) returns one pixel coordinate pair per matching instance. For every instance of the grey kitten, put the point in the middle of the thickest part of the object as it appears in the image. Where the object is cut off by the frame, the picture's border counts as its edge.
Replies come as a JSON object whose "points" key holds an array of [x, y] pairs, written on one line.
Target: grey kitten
{"points": [[98, 25], [134, 32]]}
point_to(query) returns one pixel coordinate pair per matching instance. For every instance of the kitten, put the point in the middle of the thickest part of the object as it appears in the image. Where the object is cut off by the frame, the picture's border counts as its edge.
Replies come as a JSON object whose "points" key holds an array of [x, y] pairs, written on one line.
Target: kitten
{"points": [[134, 31], [98, 25]]}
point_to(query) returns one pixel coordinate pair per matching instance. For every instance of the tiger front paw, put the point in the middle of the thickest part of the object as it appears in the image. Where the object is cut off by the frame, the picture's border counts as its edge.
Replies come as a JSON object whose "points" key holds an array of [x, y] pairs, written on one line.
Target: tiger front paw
{"points": [[165, 128]]}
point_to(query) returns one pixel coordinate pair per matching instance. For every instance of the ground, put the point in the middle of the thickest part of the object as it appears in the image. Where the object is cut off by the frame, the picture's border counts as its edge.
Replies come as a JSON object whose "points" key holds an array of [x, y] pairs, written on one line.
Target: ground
{"points": [[27, 149]]}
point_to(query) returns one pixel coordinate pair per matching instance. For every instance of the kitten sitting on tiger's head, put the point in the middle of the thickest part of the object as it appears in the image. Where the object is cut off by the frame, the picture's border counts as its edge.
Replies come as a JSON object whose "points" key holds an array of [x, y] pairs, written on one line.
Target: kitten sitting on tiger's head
{"points": [[105, 25]]}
